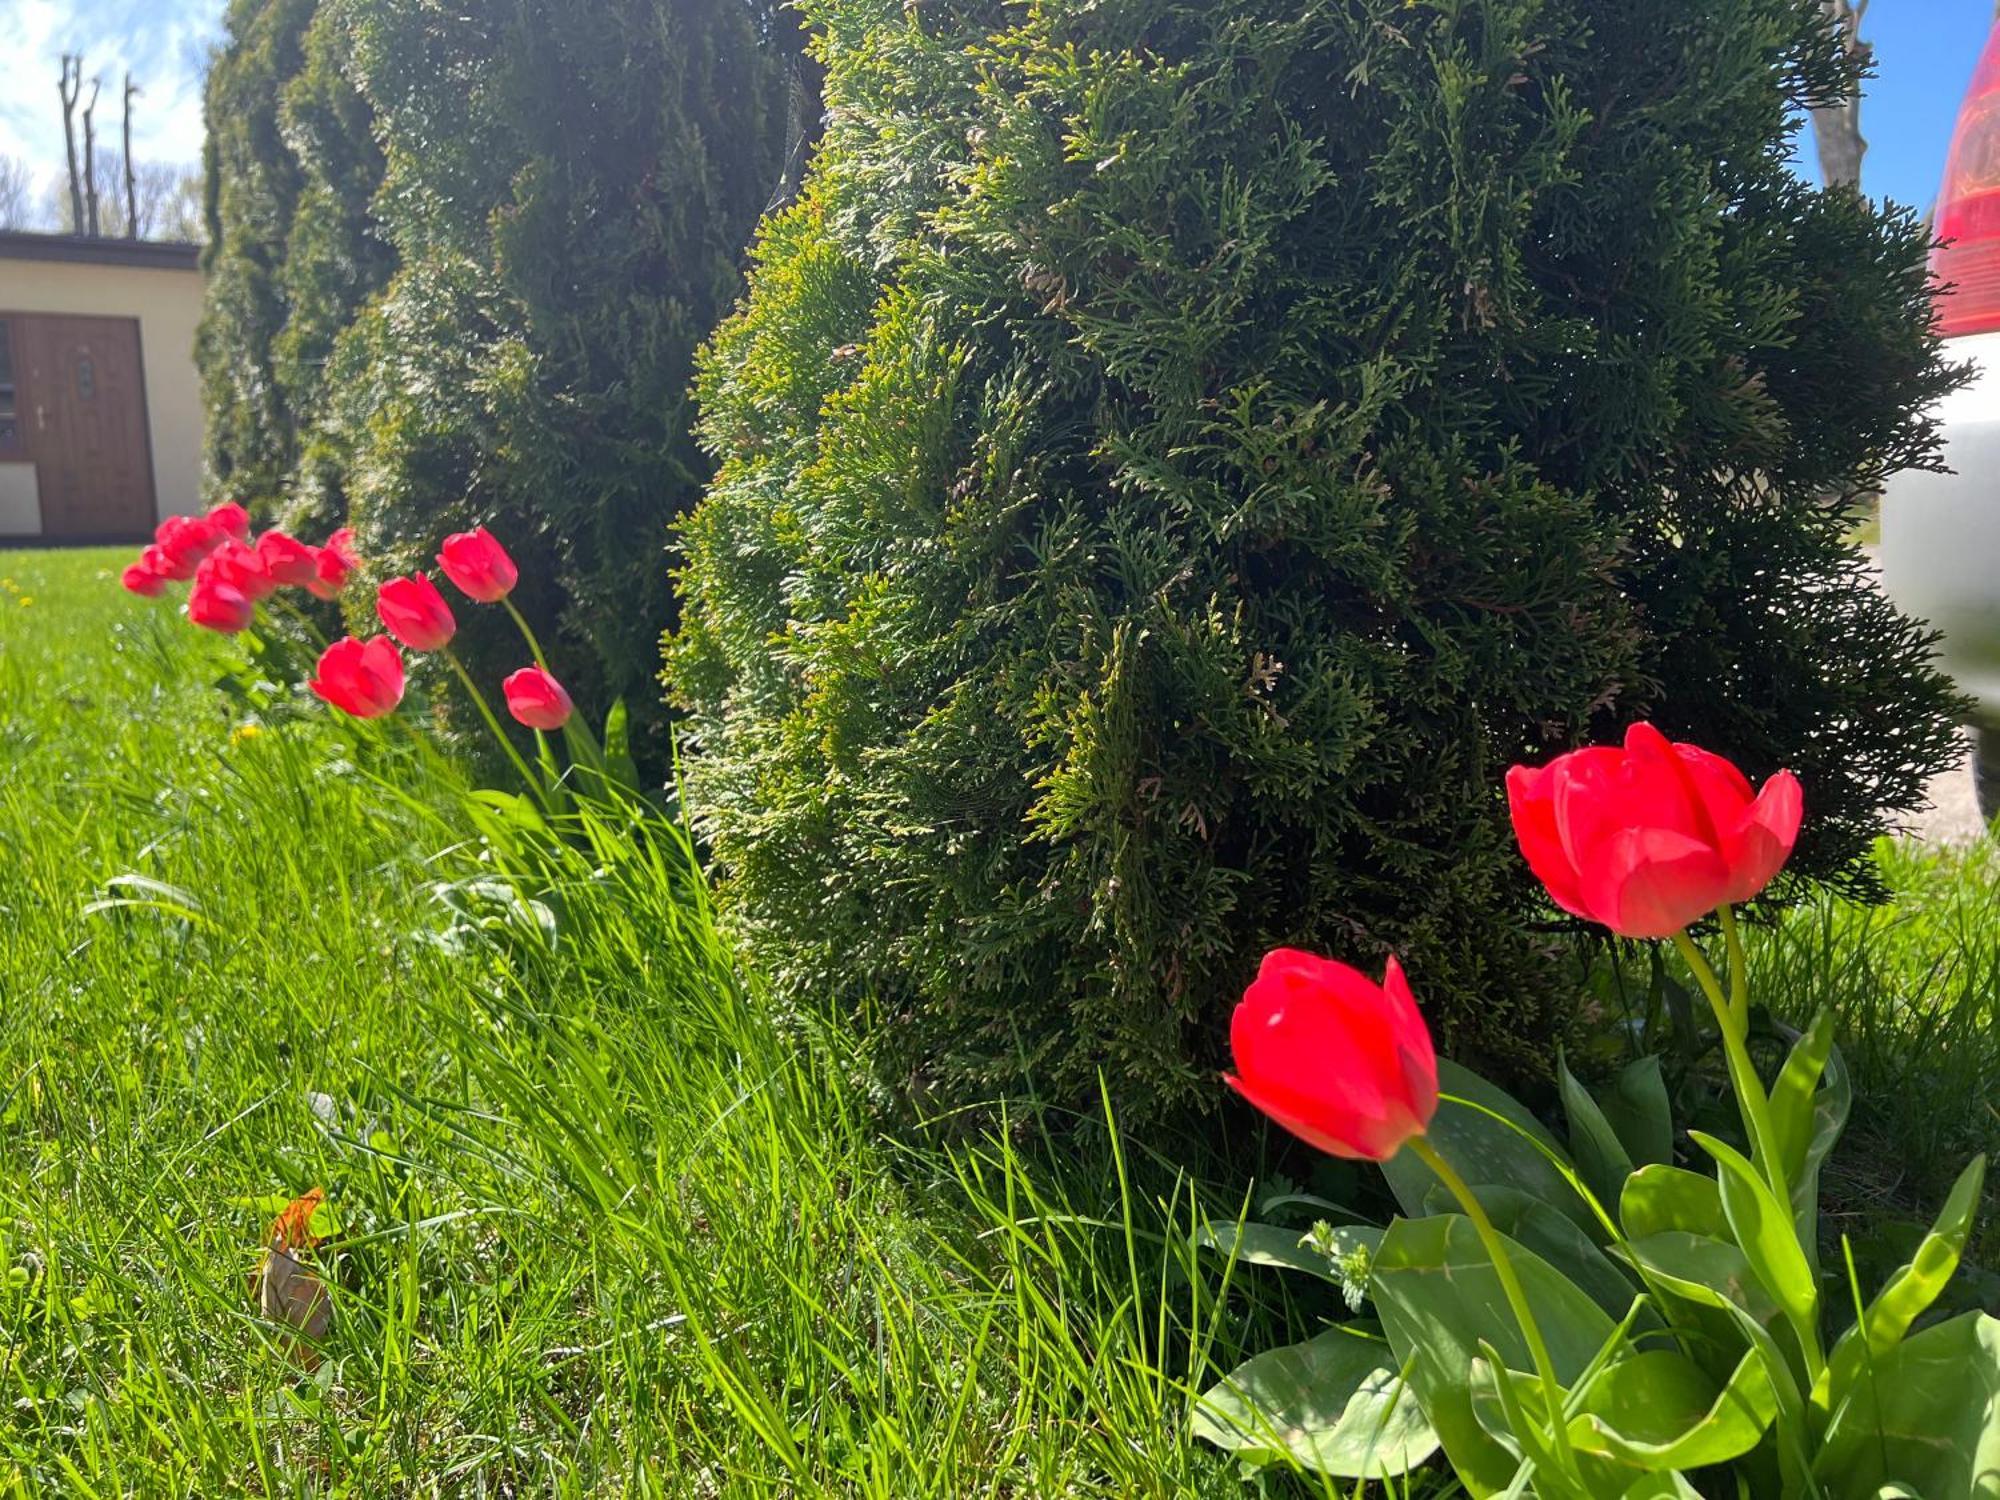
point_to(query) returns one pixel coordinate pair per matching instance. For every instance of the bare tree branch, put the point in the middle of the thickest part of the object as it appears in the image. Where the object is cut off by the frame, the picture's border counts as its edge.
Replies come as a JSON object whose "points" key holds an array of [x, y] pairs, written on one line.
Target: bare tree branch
{"points": [[1837, 128], [131, 175], [70, 87], [90, 159]]}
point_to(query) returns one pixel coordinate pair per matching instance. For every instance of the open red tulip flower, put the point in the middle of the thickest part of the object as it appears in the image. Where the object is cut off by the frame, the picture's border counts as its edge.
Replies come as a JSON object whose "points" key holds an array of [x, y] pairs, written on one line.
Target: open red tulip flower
{"points": [[143, 579], [536, 699], [1652, 837], [183, 543], [1343, 1063], [362, 678], [215, 604], [414, 612], [333, 564], [230, 519], [478, 565], [289, 562], [241, 567]]}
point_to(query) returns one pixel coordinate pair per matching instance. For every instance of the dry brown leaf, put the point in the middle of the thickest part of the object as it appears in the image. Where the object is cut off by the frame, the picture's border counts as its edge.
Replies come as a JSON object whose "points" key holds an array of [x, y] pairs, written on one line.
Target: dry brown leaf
{"points": [[284, 1286]]}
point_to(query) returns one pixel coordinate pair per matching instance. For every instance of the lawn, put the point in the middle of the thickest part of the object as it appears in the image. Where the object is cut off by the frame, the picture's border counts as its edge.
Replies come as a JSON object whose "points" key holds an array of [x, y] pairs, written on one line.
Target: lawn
{"points": [[599, 1228], [597, 1225]]}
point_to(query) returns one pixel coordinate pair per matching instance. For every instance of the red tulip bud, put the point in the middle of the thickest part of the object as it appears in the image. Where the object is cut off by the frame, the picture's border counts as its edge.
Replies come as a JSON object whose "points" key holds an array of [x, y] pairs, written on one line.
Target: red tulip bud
{"points": [[364, 679], [1343, 1063], [230, 519], [333, 563], [216, 605], [478, 565], [290, 563], [537, 699], [414, 612]]}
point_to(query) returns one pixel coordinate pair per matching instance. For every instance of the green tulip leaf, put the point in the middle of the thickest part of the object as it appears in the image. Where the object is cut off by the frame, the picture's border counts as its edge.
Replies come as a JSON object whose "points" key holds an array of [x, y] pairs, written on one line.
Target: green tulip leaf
{"points": [[1711, 1272], [1514, 1148], [1922, 1420], [1638, 1109], [1809, 1105], [1554, 1237], [1793, 1094], [1659, 1410], [1438, 1296], [1909, 1292], [1659, 1198], [1768, 1237], [1599, 1155], [1286, 1249], [1661, 1487], [1332, 1405]]}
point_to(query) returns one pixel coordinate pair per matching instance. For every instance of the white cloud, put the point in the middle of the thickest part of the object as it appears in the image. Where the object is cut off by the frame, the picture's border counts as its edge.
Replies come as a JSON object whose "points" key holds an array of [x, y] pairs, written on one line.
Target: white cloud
{"points": [[164, 44]]}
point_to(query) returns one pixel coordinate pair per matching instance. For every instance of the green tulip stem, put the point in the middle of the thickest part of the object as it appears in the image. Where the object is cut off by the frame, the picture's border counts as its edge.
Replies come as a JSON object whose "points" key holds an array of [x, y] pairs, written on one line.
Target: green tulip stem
{"points": [[302, 618], [1751, 1099], [528, 777], [534, 646], [1517, 1298], [1739, 968]]}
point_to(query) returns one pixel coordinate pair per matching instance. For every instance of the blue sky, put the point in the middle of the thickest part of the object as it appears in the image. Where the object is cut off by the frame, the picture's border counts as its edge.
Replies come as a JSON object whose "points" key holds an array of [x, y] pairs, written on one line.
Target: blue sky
{"points": [[1925, 49], [163, 43], [1924, 52]]}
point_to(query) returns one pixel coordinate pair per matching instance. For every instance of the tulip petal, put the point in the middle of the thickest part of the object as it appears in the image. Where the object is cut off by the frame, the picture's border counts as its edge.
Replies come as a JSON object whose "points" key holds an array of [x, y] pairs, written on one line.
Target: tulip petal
{"points": [[1531, 802], [1653, 882], [1759, 846]]}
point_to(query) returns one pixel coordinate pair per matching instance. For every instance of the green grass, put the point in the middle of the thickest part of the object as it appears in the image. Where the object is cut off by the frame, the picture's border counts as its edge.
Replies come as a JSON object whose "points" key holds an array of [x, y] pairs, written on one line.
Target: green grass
{"points": [[601, 1228]]}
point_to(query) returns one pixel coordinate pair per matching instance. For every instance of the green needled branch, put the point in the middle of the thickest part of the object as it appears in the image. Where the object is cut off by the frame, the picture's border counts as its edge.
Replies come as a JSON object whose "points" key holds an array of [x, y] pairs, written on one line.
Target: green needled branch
{"points": [[534, 785], [302, 618], [1517, 1297]]}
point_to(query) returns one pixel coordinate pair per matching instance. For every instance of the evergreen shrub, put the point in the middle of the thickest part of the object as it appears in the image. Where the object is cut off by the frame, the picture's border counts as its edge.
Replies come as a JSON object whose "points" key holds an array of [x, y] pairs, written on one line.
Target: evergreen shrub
{"points": [[1178, 453], [569, 189]]}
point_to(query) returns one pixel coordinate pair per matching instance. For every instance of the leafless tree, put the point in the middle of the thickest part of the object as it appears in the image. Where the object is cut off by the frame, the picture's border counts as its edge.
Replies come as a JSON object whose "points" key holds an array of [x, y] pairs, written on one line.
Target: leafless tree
{"points": [[1837, 128], [70, 87], [165, 203], [17, 181], [131, 178], [90, 159]]}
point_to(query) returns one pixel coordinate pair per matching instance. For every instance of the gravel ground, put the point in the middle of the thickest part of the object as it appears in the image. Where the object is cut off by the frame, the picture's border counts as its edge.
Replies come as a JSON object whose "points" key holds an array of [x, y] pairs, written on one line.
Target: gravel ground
{"points": [[1953, 814]]}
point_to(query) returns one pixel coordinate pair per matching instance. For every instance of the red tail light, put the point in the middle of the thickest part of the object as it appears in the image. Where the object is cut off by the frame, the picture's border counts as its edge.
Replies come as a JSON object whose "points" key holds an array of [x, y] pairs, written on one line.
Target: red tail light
{"points": [[1968, 212]]}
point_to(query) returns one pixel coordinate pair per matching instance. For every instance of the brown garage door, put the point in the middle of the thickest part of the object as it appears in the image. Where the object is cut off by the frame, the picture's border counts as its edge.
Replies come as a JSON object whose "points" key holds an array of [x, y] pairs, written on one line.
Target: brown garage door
{"points": [[81, 403]]}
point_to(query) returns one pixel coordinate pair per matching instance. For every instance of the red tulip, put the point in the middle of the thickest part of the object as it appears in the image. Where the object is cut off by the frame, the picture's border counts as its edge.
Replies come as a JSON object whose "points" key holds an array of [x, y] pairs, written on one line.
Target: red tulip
{"points": [[216, 605], [479, 565], [362, 678], [142, 578], [290, 563], [1652, 837], [333, 563], [414, 612], [241, 567], [230, 519], [537, 699], [183, 542], [1343, 1063]]}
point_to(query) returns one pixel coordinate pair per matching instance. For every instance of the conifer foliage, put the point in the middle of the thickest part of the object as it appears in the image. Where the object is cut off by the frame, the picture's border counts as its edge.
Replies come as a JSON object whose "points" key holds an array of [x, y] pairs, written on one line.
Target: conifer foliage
{"points": [[462, 258], [1178, 453]]}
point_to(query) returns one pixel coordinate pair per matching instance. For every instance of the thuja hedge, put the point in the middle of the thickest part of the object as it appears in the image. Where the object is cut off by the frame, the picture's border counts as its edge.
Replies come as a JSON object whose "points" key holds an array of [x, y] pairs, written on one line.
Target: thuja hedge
{"points": [[1177, 454], [462, 258]]}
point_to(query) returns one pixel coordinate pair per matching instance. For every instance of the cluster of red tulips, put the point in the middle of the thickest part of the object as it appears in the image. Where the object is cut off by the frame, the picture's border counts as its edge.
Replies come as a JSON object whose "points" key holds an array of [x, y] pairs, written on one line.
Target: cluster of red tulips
{"points": [[1646, 840], [232, 573]]}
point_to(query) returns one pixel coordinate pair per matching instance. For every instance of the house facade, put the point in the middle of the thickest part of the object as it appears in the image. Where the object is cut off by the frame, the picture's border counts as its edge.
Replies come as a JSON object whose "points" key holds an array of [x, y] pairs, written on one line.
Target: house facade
{"points": [[100, 406]]}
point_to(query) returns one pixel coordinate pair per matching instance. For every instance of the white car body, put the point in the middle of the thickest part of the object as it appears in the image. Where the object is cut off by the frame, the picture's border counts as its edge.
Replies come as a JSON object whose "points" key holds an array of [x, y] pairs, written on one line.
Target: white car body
{"points": [[1941, 535]]}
